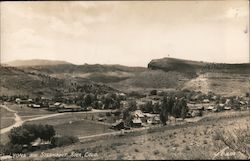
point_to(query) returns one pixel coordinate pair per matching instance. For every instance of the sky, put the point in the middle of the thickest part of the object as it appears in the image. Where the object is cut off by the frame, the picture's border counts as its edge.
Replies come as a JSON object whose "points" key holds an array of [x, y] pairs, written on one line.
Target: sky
{"points": [[129, 33]]}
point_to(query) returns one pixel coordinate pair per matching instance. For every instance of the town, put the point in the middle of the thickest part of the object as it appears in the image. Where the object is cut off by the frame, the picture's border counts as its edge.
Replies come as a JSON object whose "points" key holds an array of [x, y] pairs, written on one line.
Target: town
{"points": [[142, 110]]}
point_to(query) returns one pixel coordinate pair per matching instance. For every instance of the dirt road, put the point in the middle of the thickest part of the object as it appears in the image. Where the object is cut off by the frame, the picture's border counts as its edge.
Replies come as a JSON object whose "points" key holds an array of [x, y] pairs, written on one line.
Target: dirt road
{"points": [[208, 119], [19, 121]]}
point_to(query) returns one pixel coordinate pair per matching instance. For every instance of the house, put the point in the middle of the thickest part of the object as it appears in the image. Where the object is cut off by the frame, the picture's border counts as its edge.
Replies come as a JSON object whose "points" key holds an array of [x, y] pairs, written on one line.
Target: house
{"points": [[214, 98], [101, 119], [195, 113], [118, 125], [69, 108], [210, 108], [136, 122], [205, 101], [242, 103], [56, 106], [156, 120], [73, 107], [227, 108], [36, 106], [221, 105], [139, 114], [124, 104], [30, 100], [228, 101], [18, 100]]}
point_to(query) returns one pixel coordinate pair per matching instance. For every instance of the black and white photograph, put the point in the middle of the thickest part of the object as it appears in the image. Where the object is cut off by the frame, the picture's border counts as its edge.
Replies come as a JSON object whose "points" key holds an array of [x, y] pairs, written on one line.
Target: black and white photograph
{"points": [[124, 80]]}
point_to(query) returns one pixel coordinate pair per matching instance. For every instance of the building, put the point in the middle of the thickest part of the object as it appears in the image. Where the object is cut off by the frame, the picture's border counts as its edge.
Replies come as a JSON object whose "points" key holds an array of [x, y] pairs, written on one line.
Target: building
{"points": [[139, 114], [136, 122], [118, 125]]}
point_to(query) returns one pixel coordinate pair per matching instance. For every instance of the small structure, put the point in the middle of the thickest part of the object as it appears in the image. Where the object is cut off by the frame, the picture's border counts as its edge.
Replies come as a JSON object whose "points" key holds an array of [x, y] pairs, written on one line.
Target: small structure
{"points": [[156, 120], [30, 100], [242, 103], [205, 101], [228, 101], [118, 125], [101, 119], [139, 114], [36, 106], [195, 113], [210, 108], [214, 98], [227, 108], [136, 122], [124, 104]]}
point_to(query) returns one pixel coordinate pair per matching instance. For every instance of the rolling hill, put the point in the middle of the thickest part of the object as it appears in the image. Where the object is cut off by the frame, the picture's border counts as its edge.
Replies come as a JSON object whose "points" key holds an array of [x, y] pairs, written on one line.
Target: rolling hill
{"points": [[166, 73], [16, 81], [35, 62], [221, 78]]}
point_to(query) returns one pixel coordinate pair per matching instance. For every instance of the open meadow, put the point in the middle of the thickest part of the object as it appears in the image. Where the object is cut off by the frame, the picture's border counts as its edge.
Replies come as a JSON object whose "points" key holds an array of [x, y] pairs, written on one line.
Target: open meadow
{"points": [[193, 141]]}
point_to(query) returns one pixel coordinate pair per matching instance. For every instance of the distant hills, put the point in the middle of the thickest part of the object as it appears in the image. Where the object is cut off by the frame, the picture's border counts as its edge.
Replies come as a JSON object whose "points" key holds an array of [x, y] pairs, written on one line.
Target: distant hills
{"points": [[195, 67], [35, 62], [16, 81], [165, 73]]}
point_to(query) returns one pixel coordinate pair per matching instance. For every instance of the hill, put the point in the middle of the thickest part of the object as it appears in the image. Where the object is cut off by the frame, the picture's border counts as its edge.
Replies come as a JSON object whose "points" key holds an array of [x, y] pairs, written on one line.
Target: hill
{"points": [[220, 78], [166, 73], [15, 81], [35, 62], [96, 72], [197, 67]]}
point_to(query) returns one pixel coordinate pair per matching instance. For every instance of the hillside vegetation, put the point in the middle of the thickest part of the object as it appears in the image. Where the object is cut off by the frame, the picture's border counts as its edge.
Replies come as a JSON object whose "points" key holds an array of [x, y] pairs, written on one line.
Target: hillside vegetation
{"points": [[226, 79], [15, 81]]}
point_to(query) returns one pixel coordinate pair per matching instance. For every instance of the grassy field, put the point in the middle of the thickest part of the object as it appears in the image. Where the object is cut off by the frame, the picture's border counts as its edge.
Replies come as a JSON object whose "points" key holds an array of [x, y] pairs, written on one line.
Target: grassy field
{"points": [[7, 118], [5, 122], [193, 141], [81, 128], [23, 110], [77, 124]]}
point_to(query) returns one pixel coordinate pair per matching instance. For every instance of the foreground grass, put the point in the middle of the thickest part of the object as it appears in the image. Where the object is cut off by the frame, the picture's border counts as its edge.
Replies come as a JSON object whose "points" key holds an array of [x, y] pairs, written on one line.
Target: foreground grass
{"points": [[193, 141]]}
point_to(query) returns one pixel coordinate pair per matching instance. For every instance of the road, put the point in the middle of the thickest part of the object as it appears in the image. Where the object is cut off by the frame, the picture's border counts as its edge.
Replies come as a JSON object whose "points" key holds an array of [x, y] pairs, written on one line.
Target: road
{"points": [[19, 121], [208, 119]]}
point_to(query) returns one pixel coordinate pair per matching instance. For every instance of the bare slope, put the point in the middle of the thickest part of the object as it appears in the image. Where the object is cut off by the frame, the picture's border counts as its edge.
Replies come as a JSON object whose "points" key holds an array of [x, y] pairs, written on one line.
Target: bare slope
{"points": [[225, 79]]}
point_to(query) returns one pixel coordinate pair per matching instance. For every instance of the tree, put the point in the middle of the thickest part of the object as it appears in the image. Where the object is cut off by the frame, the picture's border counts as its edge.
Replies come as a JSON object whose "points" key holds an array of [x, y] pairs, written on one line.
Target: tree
{"points": [[163, 116], [108, 101], [184, 111], [47, 133], [132, 105], [87, 100], [156, 108], [148, 107], [153, 92], [28, 133], [21, 135], [165, 110]]}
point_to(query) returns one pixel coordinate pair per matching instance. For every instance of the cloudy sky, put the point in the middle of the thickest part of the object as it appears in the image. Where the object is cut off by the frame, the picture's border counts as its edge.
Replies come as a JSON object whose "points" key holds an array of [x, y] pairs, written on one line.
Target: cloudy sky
{"points": [[127, 33]]}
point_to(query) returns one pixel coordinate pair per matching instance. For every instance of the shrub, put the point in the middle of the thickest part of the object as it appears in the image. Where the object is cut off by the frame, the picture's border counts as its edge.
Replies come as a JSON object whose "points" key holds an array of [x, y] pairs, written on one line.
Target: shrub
{"points": [[237, 140], [156, 152], [11, 148], [27, 133], [108, 114], [63, 140], [187, 148]]}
